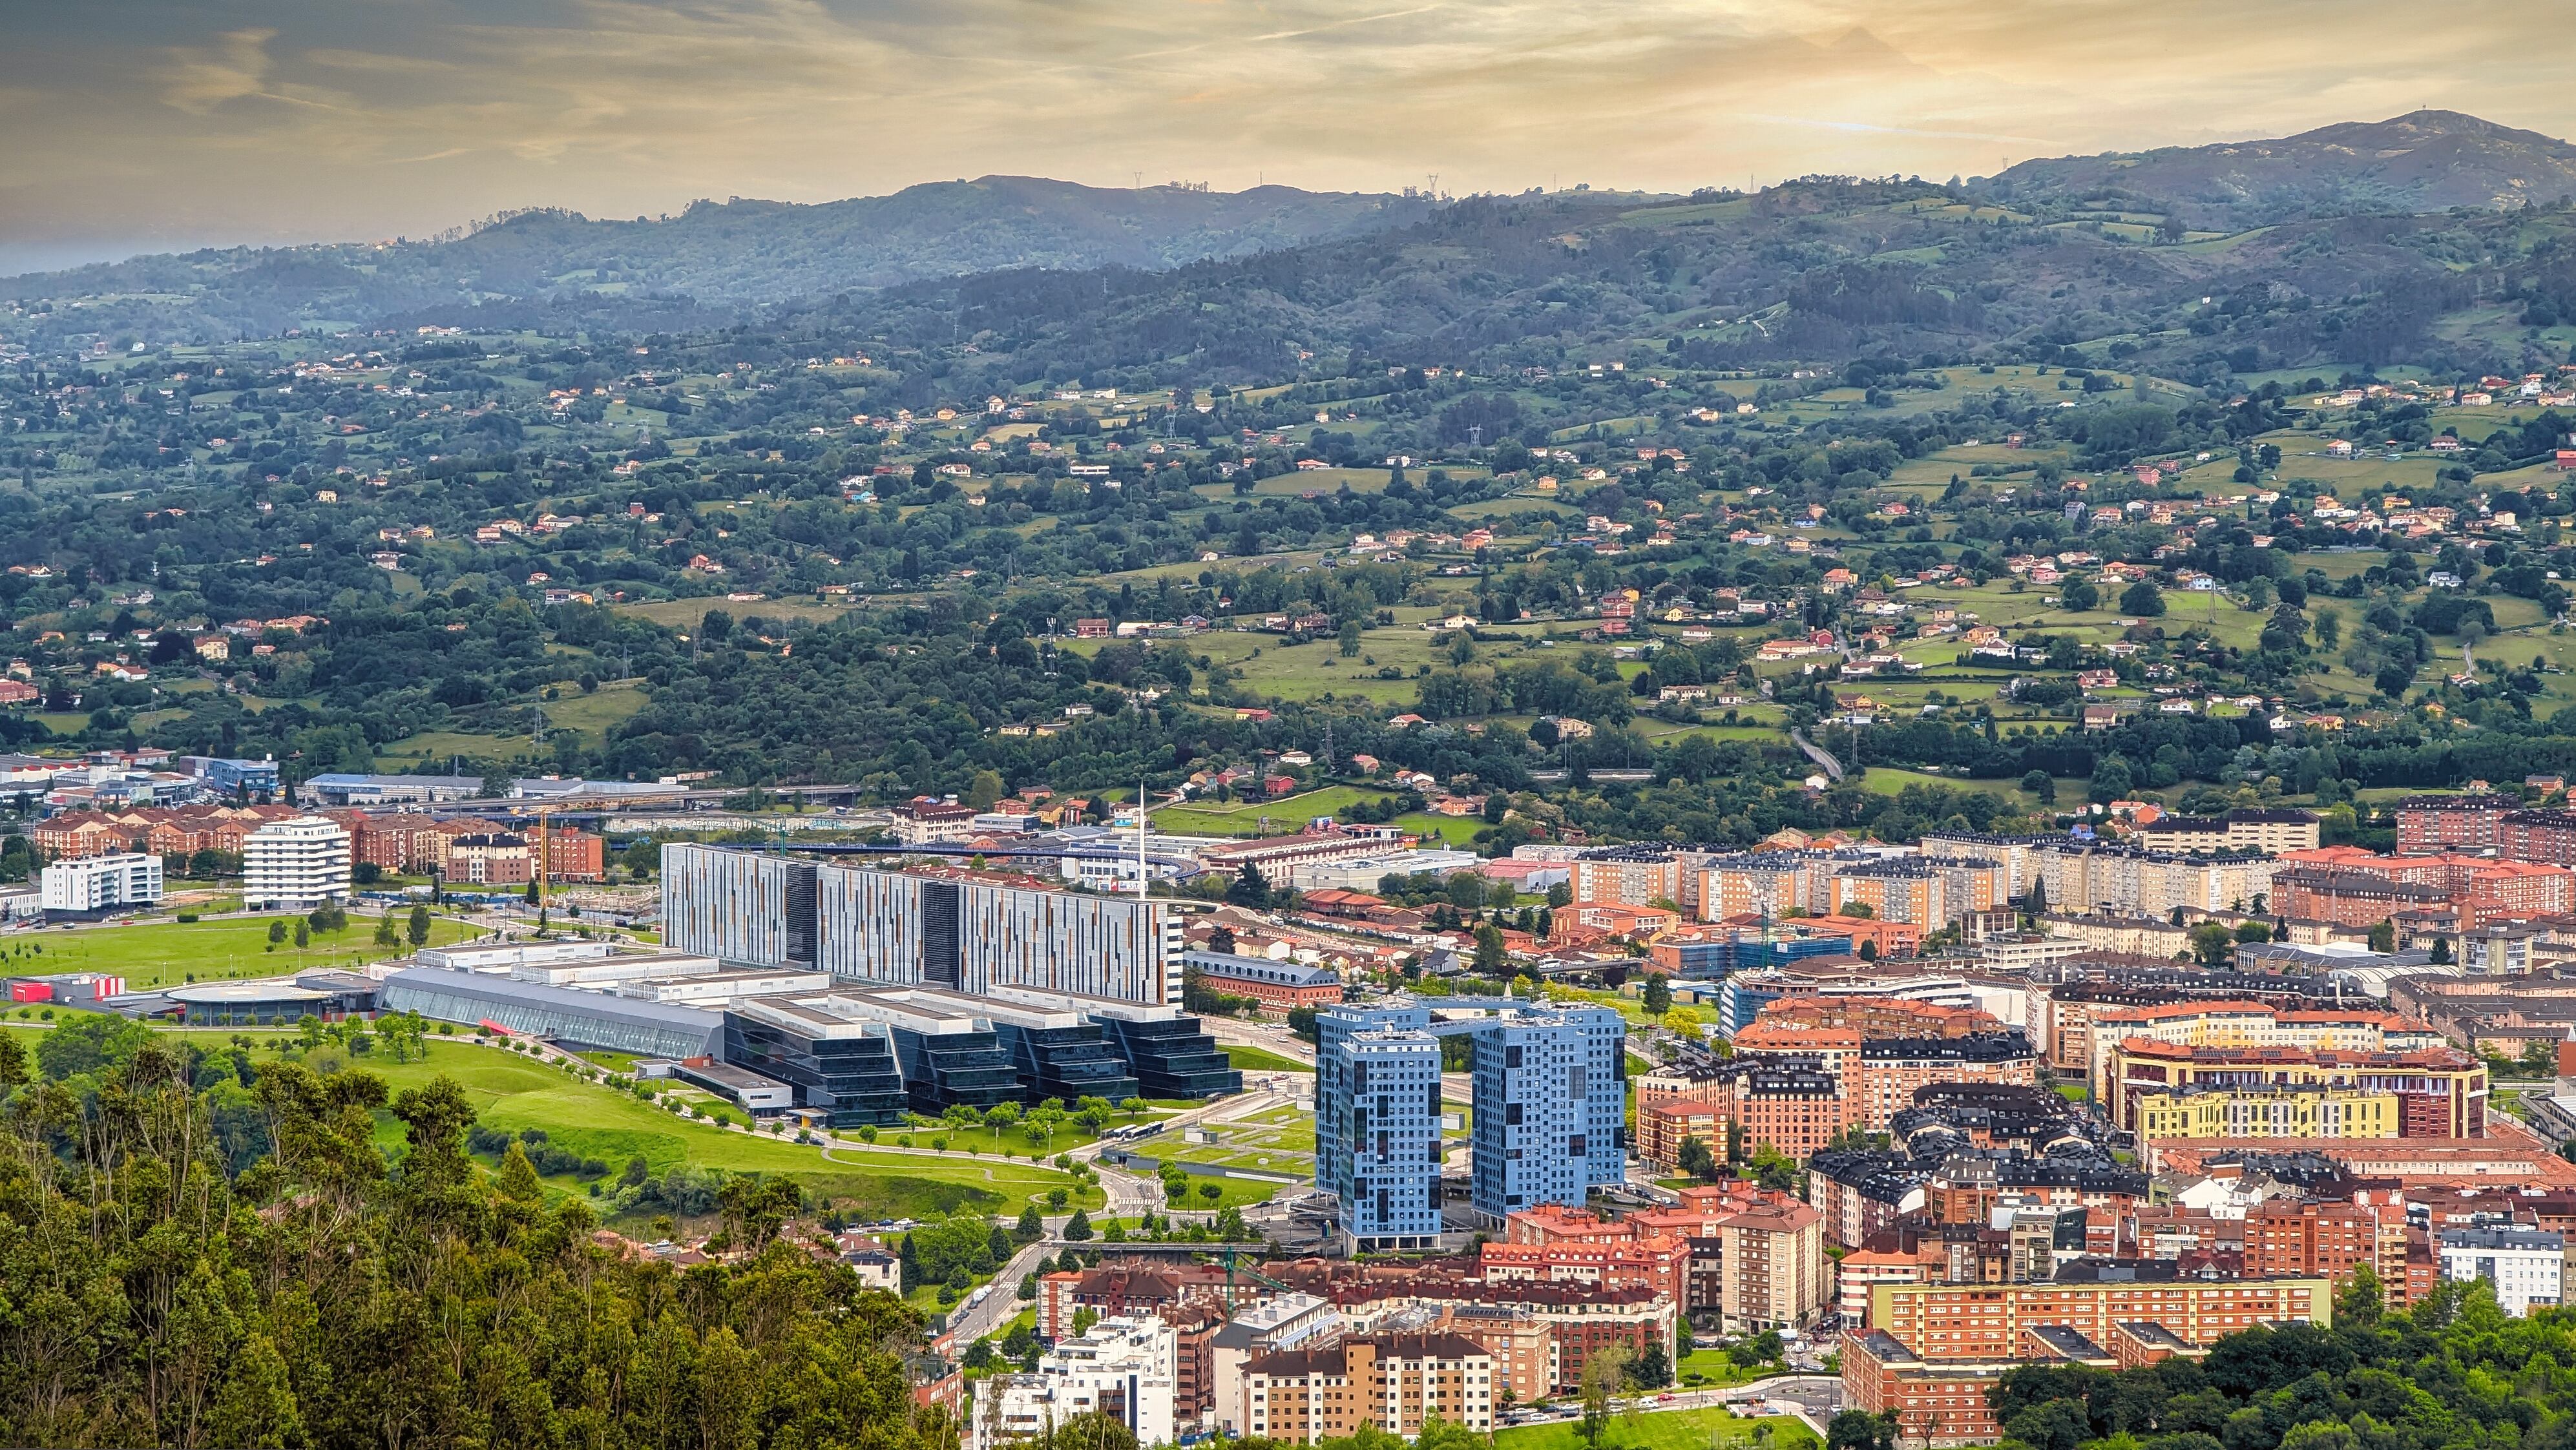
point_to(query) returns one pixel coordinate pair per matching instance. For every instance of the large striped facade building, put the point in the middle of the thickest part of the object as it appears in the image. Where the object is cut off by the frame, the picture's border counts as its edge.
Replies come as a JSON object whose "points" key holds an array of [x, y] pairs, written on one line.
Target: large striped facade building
{"points": [[907, 929]]}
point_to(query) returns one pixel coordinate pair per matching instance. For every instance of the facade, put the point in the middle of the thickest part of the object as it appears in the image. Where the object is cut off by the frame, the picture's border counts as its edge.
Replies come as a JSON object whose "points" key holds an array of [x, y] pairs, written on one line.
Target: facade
{"points": [[2526, 1266], [2259, 1111], [295, 865], [1377, 1125], [1392, 1382], [2432, 824], [904, 929], [492, 859], [1124, 1368], [1551, 1104], [1791, 1104], [96, 885], [2128, 881], [2441, 1092], [563, 1014], [933, 823], [840, 1068], [1626, 876], [2244, 829], [738, 906], [1276, 985]]}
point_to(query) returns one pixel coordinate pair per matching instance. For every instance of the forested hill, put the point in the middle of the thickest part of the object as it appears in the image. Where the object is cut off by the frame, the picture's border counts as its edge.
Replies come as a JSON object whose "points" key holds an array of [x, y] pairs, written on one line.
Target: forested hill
{"points": [[715, 254], [2426, 161]]}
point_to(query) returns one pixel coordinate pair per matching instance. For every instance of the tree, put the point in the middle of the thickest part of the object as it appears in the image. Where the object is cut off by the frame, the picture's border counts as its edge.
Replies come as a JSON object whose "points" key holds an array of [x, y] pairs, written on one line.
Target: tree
{"points": [[1249, 888], [1077, 1229], [2212, 945], [1861, 1430], [276, 932], [1696, 1160], [1030, 1228], [303, 932], [1869, 950], [2036, 900], [1656, 994], [1493, 959], [1653, 1369], [1604, 1375], [2078, 594], [2383, 938], [2143, 599], [2039, 785], [2441, 951], [418, 928], [2361, 1298], [386, 935]]}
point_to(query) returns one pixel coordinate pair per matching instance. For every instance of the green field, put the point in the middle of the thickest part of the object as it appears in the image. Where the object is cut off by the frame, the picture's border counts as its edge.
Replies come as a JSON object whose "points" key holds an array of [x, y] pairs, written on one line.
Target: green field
{"points": [[1254, 1059], [162, 954], [511, 1093], [1670, 1430], [1281, 1140]]}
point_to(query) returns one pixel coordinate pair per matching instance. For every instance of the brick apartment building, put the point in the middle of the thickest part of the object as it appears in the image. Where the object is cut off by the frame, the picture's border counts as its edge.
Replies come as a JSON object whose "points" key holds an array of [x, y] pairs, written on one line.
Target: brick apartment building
{"points": [[2441, 1092], [1391, 1382], [1936, 1350], [2431, 824]]}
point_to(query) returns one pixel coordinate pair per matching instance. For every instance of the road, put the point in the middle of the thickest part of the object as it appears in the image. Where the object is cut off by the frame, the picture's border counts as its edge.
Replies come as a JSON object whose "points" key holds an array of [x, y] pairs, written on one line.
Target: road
{"points": [[1818, 754]]}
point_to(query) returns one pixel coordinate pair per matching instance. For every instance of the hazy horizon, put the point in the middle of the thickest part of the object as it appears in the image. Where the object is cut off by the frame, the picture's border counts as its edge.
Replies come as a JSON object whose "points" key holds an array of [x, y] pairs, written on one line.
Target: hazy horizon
{"points": [[165, 127]]}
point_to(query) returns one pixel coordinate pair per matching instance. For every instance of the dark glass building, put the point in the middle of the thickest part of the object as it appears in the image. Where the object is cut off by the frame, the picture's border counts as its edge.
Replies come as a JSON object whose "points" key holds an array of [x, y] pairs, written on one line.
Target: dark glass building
{"points": [[1170, 1056], [842, 1068]]}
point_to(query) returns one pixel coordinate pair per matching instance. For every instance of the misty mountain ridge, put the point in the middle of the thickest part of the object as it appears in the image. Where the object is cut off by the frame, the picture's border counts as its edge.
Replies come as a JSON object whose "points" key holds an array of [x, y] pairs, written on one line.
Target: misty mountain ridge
{"points": [[2424, 161]]}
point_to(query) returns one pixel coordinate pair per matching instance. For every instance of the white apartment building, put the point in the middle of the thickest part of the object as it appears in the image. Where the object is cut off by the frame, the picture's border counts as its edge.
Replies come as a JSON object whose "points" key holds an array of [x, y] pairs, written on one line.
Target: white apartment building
{"points": [[1127, 1368], [90, 885], [295, 865], [2526, 1266]]}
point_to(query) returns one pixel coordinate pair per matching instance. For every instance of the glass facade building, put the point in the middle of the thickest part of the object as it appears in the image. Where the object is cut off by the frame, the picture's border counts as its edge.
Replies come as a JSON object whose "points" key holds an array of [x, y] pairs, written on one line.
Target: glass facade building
{"points": [[843, 1069], [584, 1019], [1377, 1124], [1551, 1107], [1168, 1054]]}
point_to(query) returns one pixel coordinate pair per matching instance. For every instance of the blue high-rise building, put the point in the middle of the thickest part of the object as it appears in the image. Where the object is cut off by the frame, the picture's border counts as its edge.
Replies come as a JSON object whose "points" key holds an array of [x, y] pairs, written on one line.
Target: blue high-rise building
{"points": [[1551, 1109], [1550, 1100], [1377, 1124]]}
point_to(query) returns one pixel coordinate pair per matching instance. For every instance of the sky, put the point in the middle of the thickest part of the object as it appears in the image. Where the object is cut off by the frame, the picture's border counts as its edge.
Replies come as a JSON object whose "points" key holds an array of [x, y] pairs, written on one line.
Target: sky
{"points": [[154, 125]]}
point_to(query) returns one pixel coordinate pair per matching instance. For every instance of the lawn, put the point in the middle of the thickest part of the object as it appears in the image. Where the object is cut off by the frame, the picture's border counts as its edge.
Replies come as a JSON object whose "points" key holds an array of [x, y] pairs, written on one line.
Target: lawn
{"points": [[1254, 1059], [168, 953], [1281, 1140], [1707, 1368], [1669, 1430], [1243, 818], [511, 1092]]}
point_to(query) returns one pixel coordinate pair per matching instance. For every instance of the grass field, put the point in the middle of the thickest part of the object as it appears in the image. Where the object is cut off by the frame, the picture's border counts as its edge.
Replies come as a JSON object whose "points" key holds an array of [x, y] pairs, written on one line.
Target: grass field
{"points": [[1254, 1059], [1281, 1140], [511, 1093], [1243, 817], [1671, 1430], [164, 954]]}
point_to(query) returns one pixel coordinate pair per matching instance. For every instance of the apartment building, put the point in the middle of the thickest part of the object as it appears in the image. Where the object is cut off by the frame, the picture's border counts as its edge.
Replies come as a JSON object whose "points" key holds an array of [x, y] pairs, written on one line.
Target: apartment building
{"points": [[1391, 1382], [1377, 1125], [2526, 1267], [1987, 1321], [91, 886], [295, 865], [1791, 1104], [1626, 876], [2128, 881], [2432, 824], [2236, 1023], [2441, 1092], [1550, 1104], [2247, 828], [2304, 1110], [1124, 1368]]}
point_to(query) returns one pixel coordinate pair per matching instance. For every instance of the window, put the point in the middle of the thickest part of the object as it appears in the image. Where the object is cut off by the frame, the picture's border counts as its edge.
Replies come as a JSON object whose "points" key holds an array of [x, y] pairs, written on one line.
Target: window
{"points": [[1511, 1115]]}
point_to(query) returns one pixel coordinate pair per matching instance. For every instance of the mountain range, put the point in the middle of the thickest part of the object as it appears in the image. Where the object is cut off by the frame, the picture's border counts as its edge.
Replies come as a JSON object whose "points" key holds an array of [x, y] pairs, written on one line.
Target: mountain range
{"points": [[2355, 244], [2425, 161]]}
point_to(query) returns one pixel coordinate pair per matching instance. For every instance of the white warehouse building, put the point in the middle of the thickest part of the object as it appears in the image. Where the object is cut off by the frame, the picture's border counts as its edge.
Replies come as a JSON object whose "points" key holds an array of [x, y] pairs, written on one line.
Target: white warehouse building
{"points": [[295, 865]]}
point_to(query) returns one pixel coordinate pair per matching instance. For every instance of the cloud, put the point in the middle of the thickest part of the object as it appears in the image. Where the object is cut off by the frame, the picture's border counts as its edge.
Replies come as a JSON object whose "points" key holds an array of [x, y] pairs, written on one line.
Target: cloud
{"points": [[200, 78], [323, 118]]}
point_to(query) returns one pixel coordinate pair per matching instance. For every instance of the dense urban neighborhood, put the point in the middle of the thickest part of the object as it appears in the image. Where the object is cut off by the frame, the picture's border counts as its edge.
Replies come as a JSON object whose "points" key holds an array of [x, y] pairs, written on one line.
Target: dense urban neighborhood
{"points": [[1867, 814]]}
